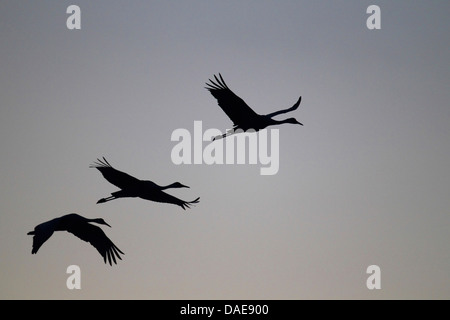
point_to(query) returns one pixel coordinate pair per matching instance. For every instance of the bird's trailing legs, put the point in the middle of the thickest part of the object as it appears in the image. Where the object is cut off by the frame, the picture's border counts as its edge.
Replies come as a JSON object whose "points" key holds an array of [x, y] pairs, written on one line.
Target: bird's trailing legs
{"points": [[103, 200], [222, 136], [231, 132]]}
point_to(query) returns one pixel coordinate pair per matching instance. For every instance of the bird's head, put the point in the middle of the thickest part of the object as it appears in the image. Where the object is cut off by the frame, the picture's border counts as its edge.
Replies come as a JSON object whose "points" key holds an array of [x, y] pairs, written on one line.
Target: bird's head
{"points": [[101, 221], [178, 185], [293, 121]]}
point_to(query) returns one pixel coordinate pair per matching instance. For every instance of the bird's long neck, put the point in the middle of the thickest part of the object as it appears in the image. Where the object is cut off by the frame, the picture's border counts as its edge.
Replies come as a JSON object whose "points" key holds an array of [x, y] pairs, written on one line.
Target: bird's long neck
{"points": [[281, 121], [96, 220], [288, 120], [99, 221], [172, 185]]}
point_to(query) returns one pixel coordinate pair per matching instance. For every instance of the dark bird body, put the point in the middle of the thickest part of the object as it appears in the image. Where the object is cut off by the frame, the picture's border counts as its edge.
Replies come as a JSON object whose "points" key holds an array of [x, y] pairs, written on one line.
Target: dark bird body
{"points": [[133, 187], [242, 116], [80, 227]]}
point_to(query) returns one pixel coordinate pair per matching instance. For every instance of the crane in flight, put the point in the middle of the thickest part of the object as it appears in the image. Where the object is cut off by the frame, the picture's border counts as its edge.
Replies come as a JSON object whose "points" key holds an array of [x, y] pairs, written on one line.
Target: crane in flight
{"points": [[82, 228], [242, 116], [133, 187]]}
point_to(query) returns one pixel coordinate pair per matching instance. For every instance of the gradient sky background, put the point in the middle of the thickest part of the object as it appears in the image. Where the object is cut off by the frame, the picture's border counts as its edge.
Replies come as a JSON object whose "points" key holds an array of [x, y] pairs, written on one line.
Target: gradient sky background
{"points": [[365, 181]]}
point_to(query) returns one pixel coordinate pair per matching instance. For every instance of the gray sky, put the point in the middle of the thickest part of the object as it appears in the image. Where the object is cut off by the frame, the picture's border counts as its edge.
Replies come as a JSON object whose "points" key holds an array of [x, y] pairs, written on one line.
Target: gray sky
{"points": [[364, 182]]}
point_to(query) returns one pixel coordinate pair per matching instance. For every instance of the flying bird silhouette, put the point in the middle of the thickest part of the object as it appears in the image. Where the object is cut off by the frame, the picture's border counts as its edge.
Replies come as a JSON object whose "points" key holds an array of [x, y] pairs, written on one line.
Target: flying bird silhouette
{"points": [[80, 227], [240, 113], [133, 187]]}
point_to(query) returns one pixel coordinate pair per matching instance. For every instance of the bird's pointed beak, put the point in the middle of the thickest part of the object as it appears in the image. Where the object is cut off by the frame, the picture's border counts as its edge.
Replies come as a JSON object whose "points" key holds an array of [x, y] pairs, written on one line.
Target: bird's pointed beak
{"points": [[108, 225], [299, 123], [184, 186]]}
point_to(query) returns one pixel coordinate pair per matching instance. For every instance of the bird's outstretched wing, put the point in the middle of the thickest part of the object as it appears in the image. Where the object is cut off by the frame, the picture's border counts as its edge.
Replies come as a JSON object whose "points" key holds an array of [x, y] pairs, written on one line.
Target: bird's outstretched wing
{"points": [[161, 196], [98, 239], [235, 108], [118, 178], [294, 107]]}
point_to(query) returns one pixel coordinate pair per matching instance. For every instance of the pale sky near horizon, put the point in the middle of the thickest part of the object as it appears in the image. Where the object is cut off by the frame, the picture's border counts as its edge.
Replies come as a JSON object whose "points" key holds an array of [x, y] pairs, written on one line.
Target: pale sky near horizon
{"points": [[364, 182]]}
